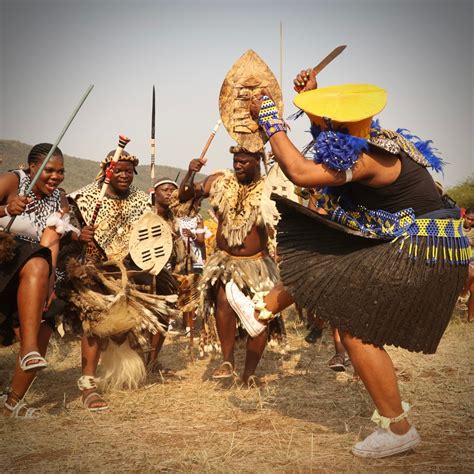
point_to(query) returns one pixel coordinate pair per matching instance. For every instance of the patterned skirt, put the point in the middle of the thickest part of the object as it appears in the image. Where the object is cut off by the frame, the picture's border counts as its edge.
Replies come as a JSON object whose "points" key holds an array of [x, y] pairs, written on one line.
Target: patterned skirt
{"points": [[373, 289]]}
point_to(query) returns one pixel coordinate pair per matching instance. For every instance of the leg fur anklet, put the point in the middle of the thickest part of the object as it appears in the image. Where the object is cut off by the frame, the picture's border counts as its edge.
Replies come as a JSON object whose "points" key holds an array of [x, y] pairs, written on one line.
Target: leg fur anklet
{"points": [[86, 382], [385, 422]]}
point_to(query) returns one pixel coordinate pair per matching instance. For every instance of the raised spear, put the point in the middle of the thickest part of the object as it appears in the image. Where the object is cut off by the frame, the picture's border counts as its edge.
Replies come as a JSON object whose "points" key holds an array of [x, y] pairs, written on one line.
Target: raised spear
{"points": [[152, 142]]}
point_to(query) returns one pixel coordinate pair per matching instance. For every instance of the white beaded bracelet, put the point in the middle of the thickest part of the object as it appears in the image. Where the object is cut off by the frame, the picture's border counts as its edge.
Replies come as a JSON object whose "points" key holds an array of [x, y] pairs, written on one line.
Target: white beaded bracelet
{"points": [[5, 210]]}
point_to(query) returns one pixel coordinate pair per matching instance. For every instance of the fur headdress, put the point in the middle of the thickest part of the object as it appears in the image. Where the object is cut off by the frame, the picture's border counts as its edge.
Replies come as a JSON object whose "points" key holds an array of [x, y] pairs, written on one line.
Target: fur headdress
{"points": [[123, 157]]}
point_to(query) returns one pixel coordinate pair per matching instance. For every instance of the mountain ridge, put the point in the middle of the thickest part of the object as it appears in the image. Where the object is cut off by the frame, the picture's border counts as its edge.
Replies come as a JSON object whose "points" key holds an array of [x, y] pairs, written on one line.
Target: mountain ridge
{"points": [[82, 171]]}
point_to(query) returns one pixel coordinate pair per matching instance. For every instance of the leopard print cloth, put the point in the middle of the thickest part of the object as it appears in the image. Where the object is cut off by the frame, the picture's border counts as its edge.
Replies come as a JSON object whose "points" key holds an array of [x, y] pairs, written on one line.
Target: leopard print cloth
{"points": [[115, 219]]}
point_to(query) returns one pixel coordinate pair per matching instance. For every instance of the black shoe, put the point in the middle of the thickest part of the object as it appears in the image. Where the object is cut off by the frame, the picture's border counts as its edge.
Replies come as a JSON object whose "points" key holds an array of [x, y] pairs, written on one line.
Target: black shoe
{"points": [[313, 335]]}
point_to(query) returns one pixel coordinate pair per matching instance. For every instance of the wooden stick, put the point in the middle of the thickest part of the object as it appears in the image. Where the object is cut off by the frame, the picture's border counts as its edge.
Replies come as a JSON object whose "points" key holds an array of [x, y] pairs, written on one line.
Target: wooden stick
{"points": [[206, 147], [209, 140]]}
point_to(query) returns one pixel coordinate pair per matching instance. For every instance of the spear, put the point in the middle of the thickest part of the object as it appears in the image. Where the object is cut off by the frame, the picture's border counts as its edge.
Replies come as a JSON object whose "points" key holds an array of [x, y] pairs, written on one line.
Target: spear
{"points": [[152, 141]]}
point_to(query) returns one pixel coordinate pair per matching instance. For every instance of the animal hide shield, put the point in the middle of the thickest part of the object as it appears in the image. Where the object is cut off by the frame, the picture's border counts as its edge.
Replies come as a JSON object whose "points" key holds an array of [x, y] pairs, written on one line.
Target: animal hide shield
{"points": [[248, 77]]}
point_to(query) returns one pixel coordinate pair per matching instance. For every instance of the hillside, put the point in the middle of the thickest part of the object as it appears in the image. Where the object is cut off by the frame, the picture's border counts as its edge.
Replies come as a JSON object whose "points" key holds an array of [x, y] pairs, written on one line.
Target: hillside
{"points": [[80, 171]]}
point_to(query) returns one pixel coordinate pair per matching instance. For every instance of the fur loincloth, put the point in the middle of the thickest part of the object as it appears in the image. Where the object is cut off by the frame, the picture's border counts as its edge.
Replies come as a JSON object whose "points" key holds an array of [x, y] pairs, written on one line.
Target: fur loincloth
{"points": [[251, 274]]}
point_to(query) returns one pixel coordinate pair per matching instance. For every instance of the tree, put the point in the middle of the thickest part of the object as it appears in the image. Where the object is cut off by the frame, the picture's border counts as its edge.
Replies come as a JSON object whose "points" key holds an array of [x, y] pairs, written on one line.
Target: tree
{"points": [[463, 193]]}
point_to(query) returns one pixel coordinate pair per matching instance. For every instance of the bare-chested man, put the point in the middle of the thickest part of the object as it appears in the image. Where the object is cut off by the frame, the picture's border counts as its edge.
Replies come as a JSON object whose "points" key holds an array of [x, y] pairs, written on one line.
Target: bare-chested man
{"points": [[245, 215]]}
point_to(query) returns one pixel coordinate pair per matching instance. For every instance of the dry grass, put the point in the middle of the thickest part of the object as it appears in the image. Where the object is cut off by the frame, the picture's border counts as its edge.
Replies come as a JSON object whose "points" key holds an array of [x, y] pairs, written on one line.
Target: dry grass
{"points": [[305, 418]]}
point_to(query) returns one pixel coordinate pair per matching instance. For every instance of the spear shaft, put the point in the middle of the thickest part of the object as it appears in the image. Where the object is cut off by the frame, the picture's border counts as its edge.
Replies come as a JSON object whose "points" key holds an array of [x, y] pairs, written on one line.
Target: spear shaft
{"points": [[152, 141]]}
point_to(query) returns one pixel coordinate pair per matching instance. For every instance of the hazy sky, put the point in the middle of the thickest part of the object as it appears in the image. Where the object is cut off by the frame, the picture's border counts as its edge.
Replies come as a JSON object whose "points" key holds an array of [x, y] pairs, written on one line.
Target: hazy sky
{"points": [[421, 51]]}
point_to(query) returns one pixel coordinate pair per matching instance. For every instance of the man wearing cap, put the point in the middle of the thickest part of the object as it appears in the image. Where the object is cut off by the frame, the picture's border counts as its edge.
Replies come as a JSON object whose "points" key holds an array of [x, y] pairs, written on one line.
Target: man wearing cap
{"points": [[245, 215], [122, 206], [387, 265], [161, 199]]}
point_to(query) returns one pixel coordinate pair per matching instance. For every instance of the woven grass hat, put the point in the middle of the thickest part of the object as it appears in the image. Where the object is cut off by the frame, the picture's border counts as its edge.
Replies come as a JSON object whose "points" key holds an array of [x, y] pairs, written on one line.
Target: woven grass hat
{"points": [[248, 77], [151, 243], [352, 105]]}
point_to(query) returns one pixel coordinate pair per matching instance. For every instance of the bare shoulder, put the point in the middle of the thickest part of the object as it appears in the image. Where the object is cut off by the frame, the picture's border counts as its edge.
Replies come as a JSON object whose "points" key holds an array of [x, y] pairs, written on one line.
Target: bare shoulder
{"points": [[8, 184], [64, 202], [377, 168]]}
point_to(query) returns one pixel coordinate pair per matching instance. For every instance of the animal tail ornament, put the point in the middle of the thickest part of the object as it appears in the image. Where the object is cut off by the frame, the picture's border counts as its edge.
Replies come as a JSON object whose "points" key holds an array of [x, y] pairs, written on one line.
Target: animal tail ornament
{"points": [[122, 367]]}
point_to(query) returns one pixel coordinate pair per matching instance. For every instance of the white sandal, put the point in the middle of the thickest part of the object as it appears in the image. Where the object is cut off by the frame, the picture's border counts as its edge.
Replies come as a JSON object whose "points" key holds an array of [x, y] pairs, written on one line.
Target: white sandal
{"points": [[15, 410], [86, 402], [87, 382], [33, 355], [20, 405]]}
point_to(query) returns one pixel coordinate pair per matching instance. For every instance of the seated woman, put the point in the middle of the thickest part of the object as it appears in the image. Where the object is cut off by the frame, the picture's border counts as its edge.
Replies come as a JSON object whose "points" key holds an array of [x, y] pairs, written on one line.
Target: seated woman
{"points": [[27, 267]]}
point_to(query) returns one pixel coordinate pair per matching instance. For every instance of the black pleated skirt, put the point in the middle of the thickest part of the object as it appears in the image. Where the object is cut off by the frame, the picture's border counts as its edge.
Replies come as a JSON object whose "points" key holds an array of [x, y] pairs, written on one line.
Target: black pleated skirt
{"points": [[367, 287]]}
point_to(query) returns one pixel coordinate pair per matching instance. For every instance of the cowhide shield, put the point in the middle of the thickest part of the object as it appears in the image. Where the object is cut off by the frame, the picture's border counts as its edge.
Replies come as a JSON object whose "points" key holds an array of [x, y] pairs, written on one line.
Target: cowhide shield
{"points": [[249, 76], [151, 243]]}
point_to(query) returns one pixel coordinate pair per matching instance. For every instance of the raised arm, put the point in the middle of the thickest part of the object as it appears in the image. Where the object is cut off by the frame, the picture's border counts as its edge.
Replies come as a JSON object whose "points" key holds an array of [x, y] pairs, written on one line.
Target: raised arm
{"points": [[299, 170], [188, 189]]}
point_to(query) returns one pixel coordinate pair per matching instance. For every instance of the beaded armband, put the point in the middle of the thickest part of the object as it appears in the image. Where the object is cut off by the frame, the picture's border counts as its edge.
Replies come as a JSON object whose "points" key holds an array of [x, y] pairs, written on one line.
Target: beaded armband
{"points": [[268, 117]]}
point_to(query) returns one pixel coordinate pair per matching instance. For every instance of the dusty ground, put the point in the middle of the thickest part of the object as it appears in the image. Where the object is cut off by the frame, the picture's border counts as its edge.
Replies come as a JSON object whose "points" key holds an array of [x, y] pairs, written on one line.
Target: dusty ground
{"points": [[305, 418]]}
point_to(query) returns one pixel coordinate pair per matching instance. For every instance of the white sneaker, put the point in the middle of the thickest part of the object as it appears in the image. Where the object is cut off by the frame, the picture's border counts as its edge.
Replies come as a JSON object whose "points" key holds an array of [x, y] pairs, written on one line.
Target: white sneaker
{"points": [[382, 443], [244, 308]]}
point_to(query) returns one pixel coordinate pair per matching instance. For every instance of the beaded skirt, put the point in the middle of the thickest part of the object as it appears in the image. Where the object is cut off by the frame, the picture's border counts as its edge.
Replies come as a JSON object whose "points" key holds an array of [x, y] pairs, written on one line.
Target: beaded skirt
{"points": [[373, 289]]}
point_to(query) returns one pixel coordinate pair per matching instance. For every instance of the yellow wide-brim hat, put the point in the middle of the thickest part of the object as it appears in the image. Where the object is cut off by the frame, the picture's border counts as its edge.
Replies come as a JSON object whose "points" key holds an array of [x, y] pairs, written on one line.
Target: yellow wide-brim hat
{"points": [[353, 105]]}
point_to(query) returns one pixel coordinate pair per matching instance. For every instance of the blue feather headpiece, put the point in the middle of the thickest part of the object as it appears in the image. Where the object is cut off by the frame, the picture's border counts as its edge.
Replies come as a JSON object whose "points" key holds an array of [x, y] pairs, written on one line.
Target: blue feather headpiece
{"points": [[336, 149]]}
